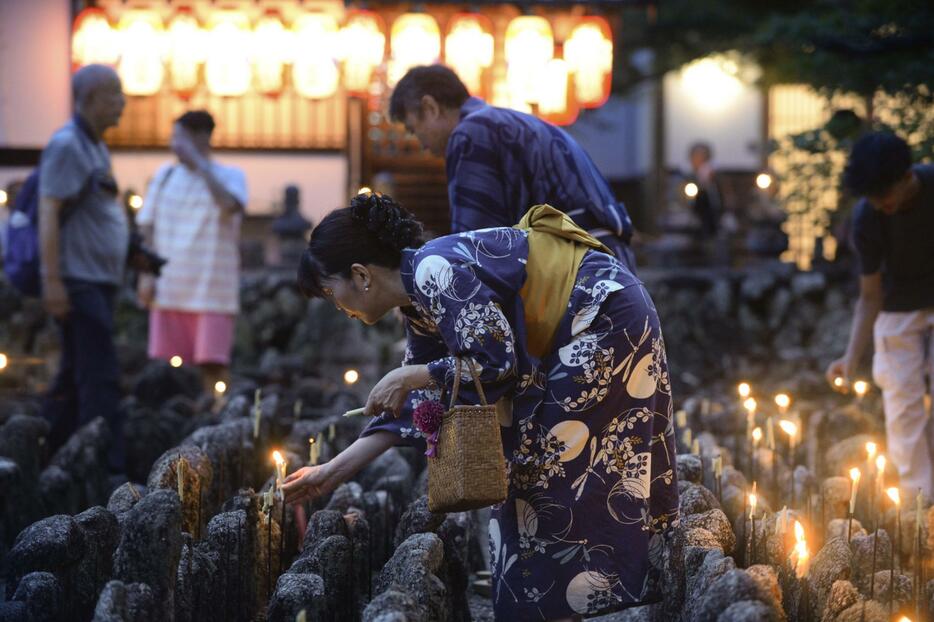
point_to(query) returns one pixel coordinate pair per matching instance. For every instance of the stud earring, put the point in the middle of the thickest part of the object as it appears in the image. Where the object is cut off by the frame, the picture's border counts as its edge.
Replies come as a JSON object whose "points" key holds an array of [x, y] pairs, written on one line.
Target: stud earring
{"points": [[366, 288]]}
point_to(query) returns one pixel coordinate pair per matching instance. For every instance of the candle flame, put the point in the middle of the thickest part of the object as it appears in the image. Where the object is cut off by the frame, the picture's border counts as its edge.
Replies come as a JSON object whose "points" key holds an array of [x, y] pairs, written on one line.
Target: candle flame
{"points": [[744, 389], [893, 495], [800, 554], [871, 450], [753, 499], [277, 457], [838, 381], [799, 532], [860, 387], [782, 401], [220, 386], [904, 619], [854, 474], [750, 404], [176, 361], [757, 435], [351, 376], [880, 463], [788, 427], [4, 361]]}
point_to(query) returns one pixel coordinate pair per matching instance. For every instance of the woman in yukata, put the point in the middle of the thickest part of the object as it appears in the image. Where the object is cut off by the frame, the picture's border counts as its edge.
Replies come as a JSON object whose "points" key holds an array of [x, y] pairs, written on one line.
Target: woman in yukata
{"points": [[589, 444]]}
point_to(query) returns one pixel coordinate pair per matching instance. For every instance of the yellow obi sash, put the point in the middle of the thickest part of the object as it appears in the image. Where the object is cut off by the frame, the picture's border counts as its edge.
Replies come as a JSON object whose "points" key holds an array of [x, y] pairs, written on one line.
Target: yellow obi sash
{"points": [[556, 248]]}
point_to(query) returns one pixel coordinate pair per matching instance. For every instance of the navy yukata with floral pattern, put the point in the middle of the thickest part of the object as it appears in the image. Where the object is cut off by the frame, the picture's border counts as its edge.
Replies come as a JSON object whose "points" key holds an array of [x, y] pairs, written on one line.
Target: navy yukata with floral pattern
{"points": [[590, 449]]}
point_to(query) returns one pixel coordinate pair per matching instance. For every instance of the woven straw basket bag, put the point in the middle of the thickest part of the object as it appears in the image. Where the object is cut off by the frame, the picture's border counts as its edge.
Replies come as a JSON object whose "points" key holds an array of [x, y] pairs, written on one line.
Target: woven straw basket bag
{"points": [[468, 470]]}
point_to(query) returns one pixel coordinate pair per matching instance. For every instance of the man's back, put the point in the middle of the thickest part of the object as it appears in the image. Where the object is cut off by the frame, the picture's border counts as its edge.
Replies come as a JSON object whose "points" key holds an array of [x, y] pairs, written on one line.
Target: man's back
{"points": [[501, 162]]}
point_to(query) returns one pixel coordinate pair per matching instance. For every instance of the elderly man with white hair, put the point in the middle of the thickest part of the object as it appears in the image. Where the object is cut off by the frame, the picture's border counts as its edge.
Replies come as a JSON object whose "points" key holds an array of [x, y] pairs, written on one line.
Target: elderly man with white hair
{"points": [[83, 238]]}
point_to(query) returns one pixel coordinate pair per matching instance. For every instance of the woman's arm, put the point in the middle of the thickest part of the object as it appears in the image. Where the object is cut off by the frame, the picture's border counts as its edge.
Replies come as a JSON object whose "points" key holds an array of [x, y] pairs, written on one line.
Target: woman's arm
{"points": [[316, 481]]}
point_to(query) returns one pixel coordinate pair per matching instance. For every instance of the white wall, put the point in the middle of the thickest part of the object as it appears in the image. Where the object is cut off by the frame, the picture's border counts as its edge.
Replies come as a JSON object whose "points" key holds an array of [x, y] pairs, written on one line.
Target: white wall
{"points": [[726, 115], [321, 178], [34, 70]]}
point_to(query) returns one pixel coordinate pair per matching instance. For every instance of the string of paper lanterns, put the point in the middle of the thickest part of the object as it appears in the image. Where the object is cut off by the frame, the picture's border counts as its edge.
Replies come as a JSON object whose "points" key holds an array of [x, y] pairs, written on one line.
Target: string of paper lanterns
{"points": [[231, 54]]}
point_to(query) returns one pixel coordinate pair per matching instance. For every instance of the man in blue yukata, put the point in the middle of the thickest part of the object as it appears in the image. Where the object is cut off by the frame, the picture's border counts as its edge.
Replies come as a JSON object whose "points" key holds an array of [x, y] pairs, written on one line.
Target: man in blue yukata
{"points": [[501, 162]]}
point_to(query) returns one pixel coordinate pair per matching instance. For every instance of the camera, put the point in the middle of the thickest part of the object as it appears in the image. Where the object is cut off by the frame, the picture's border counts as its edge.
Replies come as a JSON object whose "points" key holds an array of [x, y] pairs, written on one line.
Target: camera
{"points": [[143, 259]]}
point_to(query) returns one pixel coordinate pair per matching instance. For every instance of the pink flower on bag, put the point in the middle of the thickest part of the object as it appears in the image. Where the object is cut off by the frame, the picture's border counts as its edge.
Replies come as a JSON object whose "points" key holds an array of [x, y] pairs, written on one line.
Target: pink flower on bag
{"points": [[427, 419]]}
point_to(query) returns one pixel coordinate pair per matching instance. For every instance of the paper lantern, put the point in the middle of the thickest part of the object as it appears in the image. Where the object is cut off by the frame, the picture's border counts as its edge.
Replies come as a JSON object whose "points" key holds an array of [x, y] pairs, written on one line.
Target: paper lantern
{"points": [[272, 48], [314, 69], [141, 69], [227, 63], [415, 40], [362, 47], [185, 51], [589, 53], [93, 40], [468, 48], [555, 103], [529, 46]]}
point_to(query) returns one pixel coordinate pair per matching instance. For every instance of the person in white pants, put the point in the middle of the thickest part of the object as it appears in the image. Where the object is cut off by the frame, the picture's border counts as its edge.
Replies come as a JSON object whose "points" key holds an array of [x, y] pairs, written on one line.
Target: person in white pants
{"points": [[893, 232]]}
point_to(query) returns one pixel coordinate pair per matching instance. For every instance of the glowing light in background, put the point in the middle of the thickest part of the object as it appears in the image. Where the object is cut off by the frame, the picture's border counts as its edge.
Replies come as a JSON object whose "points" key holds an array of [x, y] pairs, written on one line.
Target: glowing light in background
{"points": [[4, 361], [135, 201], [184, 51], [415, 40], [690, 191], [554, 102], [272, 48], [529, 46], [712, 82], [351, 376], [176, 361], [141, 68], [468, 48], [314, 68], [227, 64], [361, 50], [763, 181], [3, 197], [93, 39], [589, 53]]}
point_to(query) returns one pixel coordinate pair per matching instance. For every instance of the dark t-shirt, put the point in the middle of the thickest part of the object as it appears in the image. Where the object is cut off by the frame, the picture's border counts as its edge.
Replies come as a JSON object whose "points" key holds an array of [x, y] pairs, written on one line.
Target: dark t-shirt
{"points": [[901, 245]]}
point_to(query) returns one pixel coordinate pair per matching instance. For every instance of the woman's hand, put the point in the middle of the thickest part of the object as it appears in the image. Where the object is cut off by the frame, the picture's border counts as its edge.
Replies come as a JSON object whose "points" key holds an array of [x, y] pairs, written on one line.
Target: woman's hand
{"points": [[309, 483], [390, 392]]}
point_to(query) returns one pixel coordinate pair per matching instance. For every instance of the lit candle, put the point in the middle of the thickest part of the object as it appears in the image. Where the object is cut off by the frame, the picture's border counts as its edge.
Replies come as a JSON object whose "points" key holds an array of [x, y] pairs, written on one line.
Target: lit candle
{"points": [[800, 554], [756, 438], [4, 361], [257, 413], [838, 382], [880, 482], [750, 405], [176, 361], [743, 389], [280, 469], [783, 401], [801, 559], [753, 498], [896, 545], [854, 486], [312, 451], [860, 387], [220, 387]]}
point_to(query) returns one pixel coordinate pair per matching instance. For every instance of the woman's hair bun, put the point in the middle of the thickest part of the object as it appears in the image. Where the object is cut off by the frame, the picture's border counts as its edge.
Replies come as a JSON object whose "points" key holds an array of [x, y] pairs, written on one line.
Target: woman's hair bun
{"points": [[392, 225]]}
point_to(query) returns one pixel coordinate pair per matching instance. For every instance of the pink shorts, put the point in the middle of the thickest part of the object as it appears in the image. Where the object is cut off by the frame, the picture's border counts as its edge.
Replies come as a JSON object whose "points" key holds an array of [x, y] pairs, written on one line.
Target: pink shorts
{"points": [[197, 337]]}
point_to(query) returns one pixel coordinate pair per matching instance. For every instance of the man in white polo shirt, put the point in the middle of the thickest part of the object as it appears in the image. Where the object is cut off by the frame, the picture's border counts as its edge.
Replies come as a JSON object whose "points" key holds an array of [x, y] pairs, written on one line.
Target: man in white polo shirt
{"points": [[191, 214]]}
